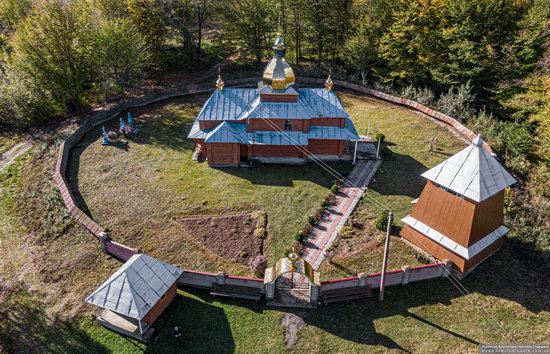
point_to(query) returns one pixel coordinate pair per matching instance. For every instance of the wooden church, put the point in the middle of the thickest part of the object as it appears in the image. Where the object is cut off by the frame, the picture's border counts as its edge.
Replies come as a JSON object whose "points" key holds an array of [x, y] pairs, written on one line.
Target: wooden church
{"points": [[459, 215], [274, 122]]}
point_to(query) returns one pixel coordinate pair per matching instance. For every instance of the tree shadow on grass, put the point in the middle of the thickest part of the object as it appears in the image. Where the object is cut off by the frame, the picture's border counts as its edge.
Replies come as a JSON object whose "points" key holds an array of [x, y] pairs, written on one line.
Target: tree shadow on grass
{"points": [[205, 328], [502, 276], [26, 328]]}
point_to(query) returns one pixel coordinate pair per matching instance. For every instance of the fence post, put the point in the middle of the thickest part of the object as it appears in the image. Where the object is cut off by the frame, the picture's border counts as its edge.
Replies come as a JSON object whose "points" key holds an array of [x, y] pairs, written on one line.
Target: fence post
{"points": [[314, 293], [220, 278], [103, 238], [448, 265], [269, 291], [406, 275], [362, 279]]}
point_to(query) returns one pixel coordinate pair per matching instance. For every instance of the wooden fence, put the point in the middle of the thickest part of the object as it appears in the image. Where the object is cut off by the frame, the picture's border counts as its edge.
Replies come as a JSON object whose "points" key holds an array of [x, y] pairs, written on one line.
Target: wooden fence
{"points": [[403, 276], [109, 112]]}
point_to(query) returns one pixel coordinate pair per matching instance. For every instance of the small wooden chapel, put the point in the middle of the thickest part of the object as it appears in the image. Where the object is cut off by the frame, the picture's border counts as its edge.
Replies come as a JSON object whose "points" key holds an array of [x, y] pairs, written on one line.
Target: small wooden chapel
{"points": [[459, 215]]}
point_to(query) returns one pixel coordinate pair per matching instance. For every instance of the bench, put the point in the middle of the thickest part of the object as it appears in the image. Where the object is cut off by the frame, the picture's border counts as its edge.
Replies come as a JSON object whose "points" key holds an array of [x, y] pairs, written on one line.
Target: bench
{"points": [[236, 291], [345, 294]]}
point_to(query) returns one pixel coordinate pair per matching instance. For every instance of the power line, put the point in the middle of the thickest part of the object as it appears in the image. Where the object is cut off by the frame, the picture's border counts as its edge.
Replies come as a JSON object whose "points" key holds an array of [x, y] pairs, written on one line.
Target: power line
{"points": [[456, 283], [462, 289], [321, 163]]}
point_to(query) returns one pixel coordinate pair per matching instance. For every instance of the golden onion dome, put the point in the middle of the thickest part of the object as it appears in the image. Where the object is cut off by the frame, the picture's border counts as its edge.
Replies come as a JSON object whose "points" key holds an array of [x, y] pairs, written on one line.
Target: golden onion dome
{"points": [[278, 74], [329, 84], [219, 82]]}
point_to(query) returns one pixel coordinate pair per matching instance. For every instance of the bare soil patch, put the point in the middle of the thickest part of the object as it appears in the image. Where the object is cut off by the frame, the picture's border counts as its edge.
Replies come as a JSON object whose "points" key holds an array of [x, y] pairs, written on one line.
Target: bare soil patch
{"points": [[230, 236], [356, 239], [293, 324]]}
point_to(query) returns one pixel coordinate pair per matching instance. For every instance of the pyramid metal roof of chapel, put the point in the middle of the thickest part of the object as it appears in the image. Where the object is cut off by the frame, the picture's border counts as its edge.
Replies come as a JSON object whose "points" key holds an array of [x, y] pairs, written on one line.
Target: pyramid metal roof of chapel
{"points": [[473, 172]]}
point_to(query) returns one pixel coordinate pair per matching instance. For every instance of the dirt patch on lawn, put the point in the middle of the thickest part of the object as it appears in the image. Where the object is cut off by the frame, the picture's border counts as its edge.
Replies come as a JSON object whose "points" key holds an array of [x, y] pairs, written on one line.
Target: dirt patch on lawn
{"points": [[237, 238], [293, 324], [356, 239]]}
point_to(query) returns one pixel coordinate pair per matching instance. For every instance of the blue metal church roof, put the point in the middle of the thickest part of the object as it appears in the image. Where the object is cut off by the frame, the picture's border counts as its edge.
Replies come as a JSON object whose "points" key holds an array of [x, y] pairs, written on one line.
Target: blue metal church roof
{"points": [[233, 104]]}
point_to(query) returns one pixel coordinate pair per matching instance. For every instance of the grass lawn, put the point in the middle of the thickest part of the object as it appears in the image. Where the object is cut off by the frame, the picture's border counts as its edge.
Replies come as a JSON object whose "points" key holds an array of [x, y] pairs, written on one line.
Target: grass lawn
{"points": [[49, 264], [396, 184], [155, 182]]}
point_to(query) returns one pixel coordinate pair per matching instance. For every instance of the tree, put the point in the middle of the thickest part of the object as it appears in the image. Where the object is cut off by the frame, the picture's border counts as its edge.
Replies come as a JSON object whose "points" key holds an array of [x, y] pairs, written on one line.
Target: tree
{"points": [[12, 12], [184, 21], [22, 103], [123, 54], [475, 36], [203, 13], [371, 21], [294, 31], [529, 40], [410, 46], [54, 47], [249, 23], [151, 18]]}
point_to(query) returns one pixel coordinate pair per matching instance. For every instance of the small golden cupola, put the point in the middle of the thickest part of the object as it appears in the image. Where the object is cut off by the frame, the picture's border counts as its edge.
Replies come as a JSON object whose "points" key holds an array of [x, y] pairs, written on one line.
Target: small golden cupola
{"points": [[219, 82], [278, 74], [329, 84]]}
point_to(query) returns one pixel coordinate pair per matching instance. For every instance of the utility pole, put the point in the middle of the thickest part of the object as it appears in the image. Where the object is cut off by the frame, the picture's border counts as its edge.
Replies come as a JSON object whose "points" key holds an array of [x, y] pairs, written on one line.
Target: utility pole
{"points": [[386, 251]]}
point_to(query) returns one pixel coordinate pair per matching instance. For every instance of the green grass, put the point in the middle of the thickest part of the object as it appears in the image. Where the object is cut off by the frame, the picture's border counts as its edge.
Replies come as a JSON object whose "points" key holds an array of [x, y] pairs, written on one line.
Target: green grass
{"points": [[137, 193], [396, 184], [156, 181]]}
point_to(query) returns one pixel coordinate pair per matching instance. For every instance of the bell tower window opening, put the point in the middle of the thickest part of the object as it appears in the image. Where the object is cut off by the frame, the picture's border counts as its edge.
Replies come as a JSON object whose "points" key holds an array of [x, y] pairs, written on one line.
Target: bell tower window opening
{"points": [[288, 125]]}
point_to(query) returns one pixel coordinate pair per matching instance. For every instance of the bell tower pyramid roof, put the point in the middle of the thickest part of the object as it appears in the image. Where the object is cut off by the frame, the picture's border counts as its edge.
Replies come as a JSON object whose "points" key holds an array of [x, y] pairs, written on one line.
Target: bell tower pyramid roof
{"points": [[473, 172]]}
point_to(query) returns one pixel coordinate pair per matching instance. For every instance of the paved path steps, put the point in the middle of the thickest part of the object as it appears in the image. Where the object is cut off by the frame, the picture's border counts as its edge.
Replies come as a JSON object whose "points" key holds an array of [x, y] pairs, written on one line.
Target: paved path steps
{"points": [[325, 232]]}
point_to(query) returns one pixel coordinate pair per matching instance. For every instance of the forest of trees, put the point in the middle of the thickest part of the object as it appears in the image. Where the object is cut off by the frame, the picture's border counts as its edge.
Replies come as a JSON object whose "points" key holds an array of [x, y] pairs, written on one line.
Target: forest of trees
{"points": [[486, 62]]}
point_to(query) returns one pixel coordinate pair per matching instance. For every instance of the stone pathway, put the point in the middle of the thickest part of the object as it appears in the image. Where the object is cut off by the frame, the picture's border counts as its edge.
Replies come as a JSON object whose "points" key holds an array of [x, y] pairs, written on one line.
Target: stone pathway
{"points": [[9, 156], [325, 232]]}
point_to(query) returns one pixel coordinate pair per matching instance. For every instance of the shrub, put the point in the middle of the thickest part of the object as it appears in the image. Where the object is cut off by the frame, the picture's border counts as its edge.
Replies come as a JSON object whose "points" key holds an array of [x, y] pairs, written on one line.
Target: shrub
{"points": [[380, 136], [421, 95], [298, 237], [422, 258], [424, 96], [258, 265], [330, 255], [319, 214], [457, 102], [22, 103], [306, 230], [381, 222], [331, 199], [260, 233], [311, 220], [408, 92], [260, 218], [334, 188]]}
